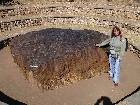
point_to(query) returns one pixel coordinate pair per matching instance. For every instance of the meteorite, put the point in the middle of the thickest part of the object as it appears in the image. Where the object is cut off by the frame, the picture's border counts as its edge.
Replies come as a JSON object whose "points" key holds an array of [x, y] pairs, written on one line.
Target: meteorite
{"points": [[58, 57]]}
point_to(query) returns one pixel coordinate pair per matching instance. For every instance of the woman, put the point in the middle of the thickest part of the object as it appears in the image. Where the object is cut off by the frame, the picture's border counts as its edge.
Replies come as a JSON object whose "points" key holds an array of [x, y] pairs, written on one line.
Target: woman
{"points": [[117, 45]]}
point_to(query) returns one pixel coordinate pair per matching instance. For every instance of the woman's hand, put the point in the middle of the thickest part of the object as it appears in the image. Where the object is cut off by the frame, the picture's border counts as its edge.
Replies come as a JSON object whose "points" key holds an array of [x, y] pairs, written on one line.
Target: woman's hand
{"points": [[97, 45]]}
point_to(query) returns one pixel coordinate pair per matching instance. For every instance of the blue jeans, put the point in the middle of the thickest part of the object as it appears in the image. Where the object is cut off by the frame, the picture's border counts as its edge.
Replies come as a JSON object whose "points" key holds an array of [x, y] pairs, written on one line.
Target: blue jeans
{"points": [[114, 71]]}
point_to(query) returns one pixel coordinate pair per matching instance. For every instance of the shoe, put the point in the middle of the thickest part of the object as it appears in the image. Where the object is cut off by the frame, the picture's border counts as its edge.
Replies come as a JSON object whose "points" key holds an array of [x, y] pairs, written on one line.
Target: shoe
{"points": [[116, 84], [109, 77]]}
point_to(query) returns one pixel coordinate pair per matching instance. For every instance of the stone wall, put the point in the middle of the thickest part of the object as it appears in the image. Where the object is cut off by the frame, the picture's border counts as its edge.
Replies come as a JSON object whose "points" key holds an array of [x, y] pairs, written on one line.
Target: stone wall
{"points": [[21, 19]]}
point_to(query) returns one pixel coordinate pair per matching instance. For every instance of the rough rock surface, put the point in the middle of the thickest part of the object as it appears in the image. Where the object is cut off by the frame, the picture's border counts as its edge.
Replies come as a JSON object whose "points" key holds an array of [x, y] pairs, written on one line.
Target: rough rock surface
{"points": [[60, 56]]}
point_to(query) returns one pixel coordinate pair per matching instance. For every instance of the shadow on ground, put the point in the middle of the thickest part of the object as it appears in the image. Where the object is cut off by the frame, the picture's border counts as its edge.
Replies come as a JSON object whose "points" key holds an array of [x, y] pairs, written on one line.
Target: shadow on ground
{"points": [[8, 100], [135, 91], [107, 101], [4, 43]]}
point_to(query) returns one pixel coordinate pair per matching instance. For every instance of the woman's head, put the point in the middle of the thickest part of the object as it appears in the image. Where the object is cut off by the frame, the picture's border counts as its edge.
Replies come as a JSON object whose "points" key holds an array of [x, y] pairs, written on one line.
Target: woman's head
{"points": [[116, 32]]}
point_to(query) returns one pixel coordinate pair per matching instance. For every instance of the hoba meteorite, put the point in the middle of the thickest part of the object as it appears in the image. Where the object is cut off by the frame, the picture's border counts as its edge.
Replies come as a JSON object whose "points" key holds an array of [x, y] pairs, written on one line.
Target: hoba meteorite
{"points": [[58, 57]]}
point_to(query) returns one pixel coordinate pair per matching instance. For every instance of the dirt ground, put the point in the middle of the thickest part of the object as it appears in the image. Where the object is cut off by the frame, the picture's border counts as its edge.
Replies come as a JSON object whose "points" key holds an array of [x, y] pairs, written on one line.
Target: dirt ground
{"points": [[85, 92]]}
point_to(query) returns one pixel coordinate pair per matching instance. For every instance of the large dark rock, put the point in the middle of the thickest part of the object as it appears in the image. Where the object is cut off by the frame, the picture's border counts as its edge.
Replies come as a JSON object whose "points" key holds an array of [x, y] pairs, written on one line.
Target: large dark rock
{"points": [[59, 57]]}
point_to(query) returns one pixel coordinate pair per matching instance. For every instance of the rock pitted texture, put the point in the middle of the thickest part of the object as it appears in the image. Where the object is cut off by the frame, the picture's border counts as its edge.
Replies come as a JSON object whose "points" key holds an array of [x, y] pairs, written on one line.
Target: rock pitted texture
{"points": [[59, 57]]}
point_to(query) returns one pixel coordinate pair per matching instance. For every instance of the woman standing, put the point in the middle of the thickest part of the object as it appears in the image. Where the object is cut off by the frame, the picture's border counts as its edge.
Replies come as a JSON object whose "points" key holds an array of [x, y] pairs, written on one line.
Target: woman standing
{"points": [[117, 45]]}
